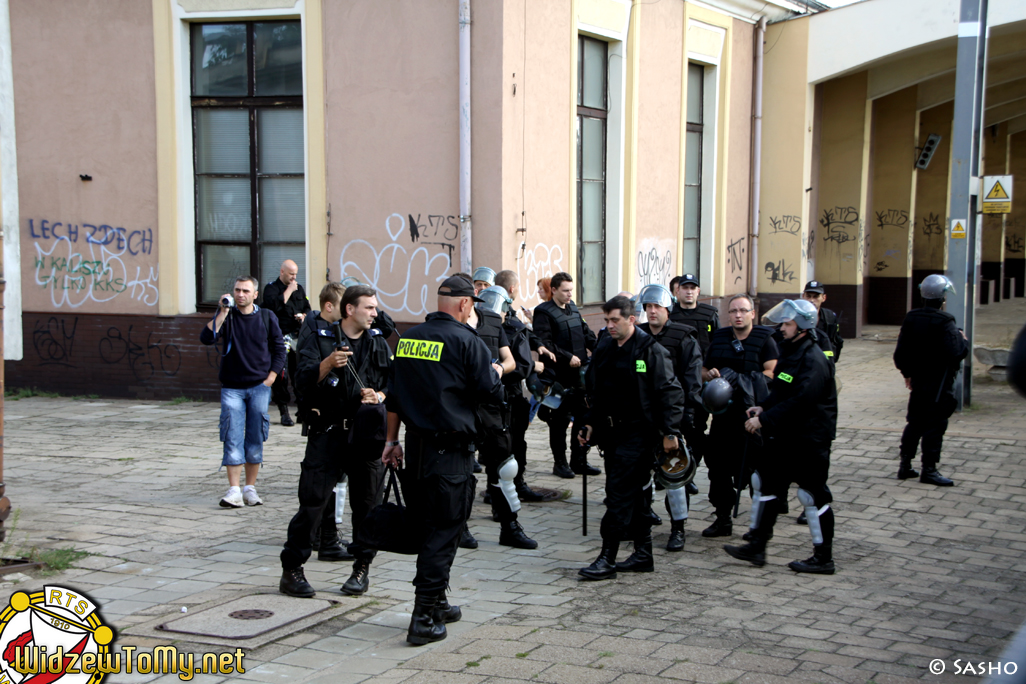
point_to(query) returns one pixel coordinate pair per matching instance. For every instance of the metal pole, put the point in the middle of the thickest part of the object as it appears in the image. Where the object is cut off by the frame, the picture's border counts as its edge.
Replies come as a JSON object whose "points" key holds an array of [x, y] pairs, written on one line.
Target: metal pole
{"points": [[466, 244], [962, 249]]}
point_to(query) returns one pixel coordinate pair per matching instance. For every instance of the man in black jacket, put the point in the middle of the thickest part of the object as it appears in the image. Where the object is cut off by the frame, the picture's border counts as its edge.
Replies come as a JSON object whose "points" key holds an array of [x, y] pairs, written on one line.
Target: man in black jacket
{"points": [[636, 408], [829, 339], [563, 330], [285, 297], [798, 421], [929, 352], [342, 372]]}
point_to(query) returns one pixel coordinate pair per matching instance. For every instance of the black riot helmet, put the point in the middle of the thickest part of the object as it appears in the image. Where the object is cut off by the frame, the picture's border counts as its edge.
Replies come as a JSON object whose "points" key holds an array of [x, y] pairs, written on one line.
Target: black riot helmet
{"points": [[716, 396]]}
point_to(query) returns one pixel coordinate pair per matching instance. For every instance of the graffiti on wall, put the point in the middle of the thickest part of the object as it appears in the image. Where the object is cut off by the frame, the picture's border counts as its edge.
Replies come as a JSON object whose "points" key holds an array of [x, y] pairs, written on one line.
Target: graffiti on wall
{"points": [[54, 341], [654, 263], [736, 259], [535, 264], [79, 263], [791, 225], [840, 224], [932, 225], [144, 357], [779, 272], [892, 218]]}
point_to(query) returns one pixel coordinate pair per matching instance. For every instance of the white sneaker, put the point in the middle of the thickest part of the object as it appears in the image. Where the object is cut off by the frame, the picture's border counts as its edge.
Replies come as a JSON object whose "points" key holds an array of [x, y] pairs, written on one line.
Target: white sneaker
{"points": [[250, 496], [232, 499]]}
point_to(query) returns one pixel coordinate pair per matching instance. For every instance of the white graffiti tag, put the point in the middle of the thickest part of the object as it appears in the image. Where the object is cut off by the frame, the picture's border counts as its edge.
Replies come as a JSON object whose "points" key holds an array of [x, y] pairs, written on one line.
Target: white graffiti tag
{"points": [[535, 264], [74, 278]]}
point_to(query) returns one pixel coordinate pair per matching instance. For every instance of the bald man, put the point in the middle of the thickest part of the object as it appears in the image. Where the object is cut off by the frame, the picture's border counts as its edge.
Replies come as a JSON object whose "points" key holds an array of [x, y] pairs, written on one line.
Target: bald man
{"points": [[285, 297]]}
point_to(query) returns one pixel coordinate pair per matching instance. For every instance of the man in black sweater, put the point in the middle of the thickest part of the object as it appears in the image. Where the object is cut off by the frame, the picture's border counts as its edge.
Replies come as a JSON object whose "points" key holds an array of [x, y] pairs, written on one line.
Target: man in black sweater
{"points": [[285, 297], [253, 356]]}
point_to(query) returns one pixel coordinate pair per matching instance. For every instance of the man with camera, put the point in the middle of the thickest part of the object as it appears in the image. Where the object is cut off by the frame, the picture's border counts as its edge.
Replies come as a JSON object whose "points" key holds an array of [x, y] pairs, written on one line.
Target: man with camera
{"points": [[285, 297], [253, 356], [342, 371]]}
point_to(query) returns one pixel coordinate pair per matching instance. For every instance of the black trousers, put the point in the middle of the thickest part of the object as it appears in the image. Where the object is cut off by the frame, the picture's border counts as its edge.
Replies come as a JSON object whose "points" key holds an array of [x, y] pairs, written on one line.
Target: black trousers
{"points": [[725, 450], [438, 485], [329, 455], [559, 421], [806, 465], [494, 450], [280, 387], [927, 423], [520, 412], [628, 471], [695, 436]]}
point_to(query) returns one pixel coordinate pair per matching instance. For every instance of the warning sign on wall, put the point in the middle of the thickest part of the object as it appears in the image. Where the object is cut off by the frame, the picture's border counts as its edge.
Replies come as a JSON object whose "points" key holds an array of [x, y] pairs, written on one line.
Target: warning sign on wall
{"points": [[958, 228], [997, 194]]}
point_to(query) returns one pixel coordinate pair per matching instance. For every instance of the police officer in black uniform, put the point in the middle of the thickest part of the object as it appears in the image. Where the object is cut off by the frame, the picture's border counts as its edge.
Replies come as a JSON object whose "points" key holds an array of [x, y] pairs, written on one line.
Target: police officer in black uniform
{"points": [[287, 299], [495, 443], [441, 373], [635, 409], [798, 422], [680, 340], [829, 339], [342, 369], [747, 349], [929, 352], [383, 323], [561, 329]]}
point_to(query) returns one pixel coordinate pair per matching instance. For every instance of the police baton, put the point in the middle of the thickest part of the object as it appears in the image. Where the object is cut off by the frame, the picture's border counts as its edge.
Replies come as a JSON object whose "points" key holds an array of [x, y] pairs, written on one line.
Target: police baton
{"points": [[584, 490]]}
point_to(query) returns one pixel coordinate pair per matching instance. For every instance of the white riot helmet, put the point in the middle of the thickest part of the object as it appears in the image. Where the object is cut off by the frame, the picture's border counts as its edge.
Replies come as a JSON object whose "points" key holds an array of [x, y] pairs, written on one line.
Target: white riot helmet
{"points": [[350, 281], [495, 298], [936, 286], [655, 294], [485, 274], [800, 311]]}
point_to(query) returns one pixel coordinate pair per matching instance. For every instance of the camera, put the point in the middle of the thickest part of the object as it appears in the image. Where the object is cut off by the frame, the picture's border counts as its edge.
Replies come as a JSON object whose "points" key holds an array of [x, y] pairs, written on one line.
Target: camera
{"points": [[227, 302]]}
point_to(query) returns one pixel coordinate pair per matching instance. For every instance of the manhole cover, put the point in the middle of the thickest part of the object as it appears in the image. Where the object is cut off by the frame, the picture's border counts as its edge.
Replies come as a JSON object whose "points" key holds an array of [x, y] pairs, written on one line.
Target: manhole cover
{"points": [[251, 614]]}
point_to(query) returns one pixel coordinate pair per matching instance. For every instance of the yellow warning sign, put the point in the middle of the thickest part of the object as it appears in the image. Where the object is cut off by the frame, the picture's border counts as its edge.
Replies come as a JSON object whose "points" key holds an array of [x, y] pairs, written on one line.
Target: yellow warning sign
{"points": [[997, 195], [958, 229]]}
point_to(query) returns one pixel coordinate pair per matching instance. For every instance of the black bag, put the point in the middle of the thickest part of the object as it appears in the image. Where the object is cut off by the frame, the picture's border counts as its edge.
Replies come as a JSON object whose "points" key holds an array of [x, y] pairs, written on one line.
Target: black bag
{"points": [[388, 527]]}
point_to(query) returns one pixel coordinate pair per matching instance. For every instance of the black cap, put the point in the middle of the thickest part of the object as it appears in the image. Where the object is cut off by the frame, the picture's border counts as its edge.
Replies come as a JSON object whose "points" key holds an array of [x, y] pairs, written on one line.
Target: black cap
{"points": [[458, 286], [688, 279], [814, 286]]}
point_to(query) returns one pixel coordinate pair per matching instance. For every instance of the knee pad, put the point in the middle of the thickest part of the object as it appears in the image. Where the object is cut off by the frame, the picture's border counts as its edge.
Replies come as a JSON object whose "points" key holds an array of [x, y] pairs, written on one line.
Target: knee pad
{"points": [[507, 471], [758, 501], [677, 502], [341, 489], [812, 514]]}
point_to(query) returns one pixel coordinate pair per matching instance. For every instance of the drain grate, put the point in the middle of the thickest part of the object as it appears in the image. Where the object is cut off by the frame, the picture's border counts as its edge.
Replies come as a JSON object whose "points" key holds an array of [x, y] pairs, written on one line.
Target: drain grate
{"points": [[251, 614]]}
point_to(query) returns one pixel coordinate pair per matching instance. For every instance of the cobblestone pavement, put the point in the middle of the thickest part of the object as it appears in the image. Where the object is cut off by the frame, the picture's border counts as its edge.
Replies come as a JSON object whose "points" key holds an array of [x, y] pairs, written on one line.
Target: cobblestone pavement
{"points": [[923, 573]]}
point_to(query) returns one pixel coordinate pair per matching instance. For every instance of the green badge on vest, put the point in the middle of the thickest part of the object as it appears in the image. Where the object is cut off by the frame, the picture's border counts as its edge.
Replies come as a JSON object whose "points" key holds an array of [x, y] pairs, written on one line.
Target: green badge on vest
{"points": [[785, 377], [639, 366]]}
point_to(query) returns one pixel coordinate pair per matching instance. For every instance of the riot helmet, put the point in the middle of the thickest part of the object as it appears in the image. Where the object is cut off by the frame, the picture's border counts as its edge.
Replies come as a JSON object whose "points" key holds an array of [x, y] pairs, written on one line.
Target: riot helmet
{"points": [[655, 294], [495, 298], [484, 274], [677, 467], [935, 286], [802, 312], [716, 396], [350, 281]]}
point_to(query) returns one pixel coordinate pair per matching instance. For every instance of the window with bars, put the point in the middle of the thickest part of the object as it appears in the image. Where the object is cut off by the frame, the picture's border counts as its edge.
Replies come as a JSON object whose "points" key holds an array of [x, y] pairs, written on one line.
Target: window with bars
{"points": [[693, 168], [592, 113], [249, 157]]}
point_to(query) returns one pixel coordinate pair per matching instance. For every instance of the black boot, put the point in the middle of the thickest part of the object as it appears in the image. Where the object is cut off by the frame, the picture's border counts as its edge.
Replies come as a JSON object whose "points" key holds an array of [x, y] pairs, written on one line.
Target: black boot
{"points": [[801, 519], [286, 419], [561, 469], [721, 527], [467, 540], [821, 562], [932, 476], [754, 551], [641, 559], [293, 583], [331, 550], [445, 613], [580, 466], [525, 493], [905, 469], [676, 540], [424, 629], [359, 582], [604, 566], [512, 534], [691, 488]]}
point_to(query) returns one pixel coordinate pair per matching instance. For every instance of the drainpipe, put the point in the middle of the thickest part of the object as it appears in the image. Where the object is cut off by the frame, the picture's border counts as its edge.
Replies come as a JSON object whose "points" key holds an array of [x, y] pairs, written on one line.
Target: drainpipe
{"points": [[466, 246], [753, 249]]}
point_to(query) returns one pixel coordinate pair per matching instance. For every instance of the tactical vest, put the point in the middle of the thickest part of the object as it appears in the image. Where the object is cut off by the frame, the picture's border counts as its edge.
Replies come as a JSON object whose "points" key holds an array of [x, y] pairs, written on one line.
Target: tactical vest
{"points": [[673, 334], [489, 328], [705, 318], [569, 327], [722, 354], [520, 347]]}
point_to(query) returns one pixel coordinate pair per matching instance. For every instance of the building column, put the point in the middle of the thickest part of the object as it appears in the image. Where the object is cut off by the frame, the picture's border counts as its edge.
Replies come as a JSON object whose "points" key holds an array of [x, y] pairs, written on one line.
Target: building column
{"points": [[841, 191], [1015, 221], [992, 257], [930, 247], [892, 205]]}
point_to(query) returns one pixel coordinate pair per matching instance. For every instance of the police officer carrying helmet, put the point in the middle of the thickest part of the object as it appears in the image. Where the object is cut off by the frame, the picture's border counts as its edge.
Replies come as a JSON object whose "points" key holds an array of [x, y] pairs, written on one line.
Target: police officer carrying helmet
{"points": [[495, 443], [441, 373], [929, 352], [829, 339], [635, 411], [746, 349], [563, 330], [798, 421], [680, 340], [342, 370]]}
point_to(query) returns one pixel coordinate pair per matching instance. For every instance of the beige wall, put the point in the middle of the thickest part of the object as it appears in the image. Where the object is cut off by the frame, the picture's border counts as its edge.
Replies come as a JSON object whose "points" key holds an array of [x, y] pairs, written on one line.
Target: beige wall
{"points": [[995, 161], [1015, 222], [489, 81], [84, 103], [736, 191], [930, 245], [890, 209]]}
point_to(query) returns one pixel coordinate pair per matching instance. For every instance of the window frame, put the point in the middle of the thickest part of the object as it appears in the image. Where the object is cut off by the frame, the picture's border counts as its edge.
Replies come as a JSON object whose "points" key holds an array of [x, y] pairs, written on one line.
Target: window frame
{"points": [[251, 103], [699, 128], [603, 115]]}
